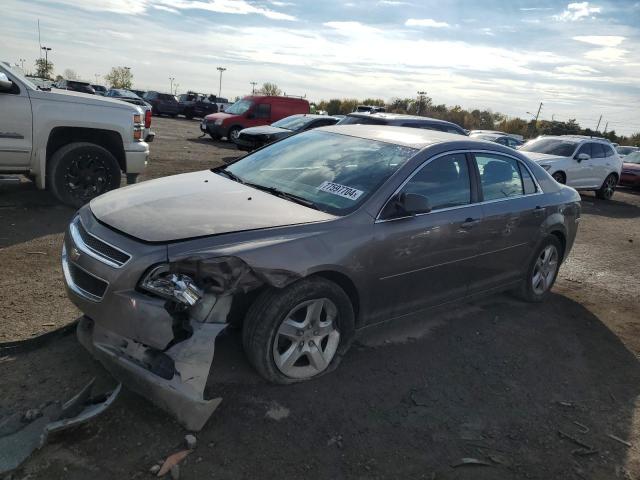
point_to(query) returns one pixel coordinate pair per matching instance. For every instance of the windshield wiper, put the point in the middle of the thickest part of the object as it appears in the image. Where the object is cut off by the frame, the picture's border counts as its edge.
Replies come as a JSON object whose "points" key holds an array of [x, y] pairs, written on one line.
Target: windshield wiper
{"points": [[288, 196], [231, 175]]}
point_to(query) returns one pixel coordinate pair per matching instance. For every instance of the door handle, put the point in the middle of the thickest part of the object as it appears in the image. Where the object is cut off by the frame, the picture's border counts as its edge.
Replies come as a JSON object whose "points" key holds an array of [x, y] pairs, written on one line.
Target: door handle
{"points": [[469, 223]]}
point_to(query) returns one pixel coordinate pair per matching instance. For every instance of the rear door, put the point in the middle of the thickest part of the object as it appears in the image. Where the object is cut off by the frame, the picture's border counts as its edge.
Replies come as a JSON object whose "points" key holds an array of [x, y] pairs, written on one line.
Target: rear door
{"points": [[600, 164], [512, 218], [15, 127], [428, 259]]}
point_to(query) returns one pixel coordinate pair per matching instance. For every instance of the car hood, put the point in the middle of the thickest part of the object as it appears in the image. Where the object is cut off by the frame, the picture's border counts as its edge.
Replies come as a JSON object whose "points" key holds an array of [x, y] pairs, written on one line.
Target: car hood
{"points": [[541, 157], [265, 130], [631, 166], [58, 95], [195, 205], [214, 116]]}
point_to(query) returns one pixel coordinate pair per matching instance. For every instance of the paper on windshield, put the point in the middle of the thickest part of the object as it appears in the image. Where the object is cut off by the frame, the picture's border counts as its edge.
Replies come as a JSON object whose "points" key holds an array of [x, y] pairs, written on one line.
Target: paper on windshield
{"points": [[340, 190]]}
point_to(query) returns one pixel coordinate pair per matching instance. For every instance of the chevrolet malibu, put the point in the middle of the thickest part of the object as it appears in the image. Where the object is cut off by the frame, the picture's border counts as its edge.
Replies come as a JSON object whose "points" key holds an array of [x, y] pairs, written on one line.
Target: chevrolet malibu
{"points": [[300, 245]]}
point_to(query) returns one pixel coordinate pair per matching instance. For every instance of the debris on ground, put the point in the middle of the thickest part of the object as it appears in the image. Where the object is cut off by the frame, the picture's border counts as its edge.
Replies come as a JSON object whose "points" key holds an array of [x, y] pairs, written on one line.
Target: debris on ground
{"points": [[191, 441], [471, 461], [154, 469], [335, 440], [172, 460], [583, 427], [619, 440], [573, 439], [21, 435], [277, 412]]}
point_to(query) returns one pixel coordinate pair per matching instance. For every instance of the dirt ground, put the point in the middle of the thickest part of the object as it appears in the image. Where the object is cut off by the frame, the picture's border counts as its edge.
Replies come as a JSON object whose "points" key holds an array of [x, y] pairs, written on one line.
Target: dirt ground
{"points": [[495, 380]]}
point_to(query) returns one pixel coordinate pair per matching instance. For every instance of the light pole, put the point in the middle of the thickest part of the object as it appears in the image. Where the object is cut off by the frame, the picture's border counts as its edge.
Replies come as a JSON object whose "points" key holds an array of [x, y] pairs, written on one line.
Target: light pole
{"points": [[253, 87], [175, 92], [22, 60], [220, 69], [46, 59], [171, 79]]}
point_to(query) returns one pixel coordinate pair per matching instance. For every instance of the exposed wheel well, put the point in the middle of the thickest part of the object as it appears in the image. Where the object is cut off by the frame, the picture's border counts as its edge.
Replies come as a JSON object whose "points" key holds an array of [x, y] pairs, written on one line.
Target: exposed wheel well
{"points": [[347, 285], [562, 239], [108, 139]]}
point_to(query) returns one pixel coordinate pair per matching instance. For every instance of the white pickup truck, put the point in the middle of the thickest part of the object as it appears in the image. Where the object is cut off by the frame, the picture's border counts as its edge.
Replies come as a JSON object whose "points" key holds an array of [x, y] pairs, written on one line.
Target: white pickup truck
{"points": [[74, 144]]}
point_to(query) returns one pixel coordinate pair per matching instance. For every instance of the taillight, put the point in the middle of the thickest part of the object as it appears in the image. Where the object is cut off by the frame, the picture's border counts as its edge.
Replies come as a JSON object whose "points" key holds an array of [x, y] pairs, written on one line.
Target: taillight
{"points": [[147, 119]]}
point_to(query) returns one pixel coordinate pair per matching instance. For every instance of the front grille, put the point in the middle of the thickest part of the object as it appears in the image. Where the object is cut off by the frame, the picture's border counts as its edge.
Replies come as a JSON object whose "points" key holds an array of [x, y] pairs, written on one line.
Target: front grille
{"points": [[100, 248], [87, 282]]}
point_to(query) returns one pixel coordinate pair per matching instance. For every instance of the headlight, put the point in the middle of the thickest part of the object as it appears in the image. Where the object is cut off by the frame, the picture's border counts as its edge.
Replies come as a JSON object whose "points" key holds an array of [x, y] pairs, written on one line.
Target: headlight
{"points": [[172, 286], [546, 167], [218, 121]]}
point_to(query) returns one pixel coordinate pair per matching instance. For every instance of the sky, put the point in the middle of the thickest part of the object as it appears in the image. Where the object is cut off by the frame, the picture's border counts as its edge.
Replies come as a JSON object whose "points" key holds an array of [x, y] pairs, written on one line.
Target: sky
{"points": [[580, 59]]}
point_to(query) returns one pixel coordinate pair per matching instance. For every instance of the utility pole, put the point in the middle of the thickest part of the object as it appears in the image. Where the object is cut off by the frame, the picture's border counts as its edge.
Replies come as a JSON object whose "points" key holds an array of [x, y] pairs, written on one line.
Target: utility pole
{"points": [[171, 79], [220, 69], [538, 114], [22, 60], [421, 95], [605, 128], [599, 120], [46, 59], [253, 87]]}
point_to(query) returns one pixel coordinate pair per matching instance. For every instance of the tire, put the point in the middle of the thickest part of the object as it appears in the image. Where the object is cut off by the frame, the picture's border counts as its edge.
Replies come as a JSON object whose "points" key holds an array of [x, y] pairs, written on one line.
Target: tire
{"points": [[232, 136], [608, 188], [559, 177], [317, 348], [92, 168], [527, 291]]}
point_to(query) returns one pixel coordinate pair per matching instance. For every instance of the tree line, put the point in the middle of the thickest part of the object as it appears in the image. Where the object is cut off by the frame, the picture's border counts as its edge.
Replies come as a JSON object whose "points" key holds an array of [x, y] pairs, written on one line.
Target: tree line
{"points": [[474, 119]]}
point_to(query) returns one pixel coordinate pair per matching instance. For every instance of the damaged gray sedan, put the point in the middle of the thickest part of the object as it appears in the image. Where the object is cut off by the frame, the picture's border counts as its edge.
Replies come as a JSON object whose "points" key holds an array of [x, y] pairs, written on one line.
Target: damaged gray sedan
{"points": [[300, 244]]}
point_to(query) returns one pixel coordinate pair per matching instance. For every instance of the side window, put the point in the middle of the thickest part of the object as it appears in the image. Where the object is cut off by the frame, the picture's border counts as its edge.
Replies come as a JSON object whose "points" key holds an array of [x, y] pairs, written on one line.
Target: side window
{"points": [[527, 182], [585, 148], [608, 150], [502, 140], [444, 181], [263, 110], [597, 150], [500, 176]]}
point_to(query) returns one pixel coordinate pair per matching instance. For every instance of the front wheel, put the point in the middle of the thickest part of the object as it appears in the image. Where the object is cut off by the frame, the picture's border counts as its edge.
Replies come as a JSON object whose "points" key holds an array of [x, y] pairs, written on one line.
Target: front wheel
{"points": [[234, 133], [299, 332], [80, 171], [608, 187], [542, 271]]}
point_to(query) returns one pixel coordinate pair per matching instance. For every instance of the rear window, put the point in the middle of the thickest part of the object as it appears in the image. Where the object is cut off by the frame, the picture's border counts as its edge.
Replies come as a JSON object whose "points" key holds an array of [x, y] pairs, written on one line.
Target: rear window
{"points": [[550, 146], [354, 120], [72, 83]]}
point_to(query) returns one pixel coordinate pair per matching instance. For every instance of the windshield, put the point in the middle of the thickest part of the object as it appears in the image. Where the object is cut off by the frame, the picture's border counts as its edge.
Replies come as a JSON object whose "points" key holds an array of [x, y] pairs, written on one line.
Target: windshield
{"points": [[294, 122], [550, 146], [632, 158], [239, 107], [626, 150], [335, 173]]}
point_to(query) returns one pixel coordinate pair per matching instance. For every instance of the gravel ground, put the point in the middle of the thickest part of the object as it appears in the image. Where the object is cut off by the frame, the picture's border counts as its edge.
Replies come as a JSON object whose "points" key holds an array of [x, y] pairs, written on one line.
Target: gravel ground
{"points": [[494, 380]]}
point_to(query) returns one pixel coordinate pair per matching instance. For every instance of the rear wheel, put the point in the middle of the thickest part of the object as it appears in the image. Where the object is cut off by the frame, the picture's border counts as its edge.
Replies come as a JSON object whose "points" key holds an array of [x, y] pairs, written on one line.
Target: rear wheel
{"points": [[608, 187], [81, 171], [542, 271], [299, 332]]}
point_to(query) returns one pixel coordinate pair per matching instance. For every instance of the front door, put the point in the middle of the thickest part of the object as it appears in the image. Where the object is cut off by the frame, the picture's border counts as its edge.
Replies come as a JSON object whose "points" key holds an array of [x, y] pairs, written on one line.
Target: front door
{"points": [[580, 172], [428, 259], [15, 127]]}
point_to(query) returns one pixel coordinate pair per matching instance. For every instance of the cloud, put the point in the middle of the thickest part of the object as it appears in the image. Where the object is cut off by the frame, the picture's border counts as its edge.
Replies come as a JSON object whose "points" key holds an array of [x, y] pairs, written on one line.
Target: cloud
{"points": [[577, 11], [165, 9], [425, 22], [393, 3], [238, 7], [576, 70], [601, 40], [607, 54], [535, 9]]}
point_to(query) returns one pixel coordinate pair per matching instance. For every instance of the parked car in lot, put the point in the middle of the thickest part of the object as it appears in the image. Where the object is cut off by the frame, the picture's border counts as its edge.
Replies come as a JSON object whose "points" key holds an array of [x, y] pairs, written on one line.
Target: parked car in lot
{"points": [[584, 163], [401, 120], [626, 150], [630, 175], [130, 97], [100, 89], [75, 145], [75, 86], [251, 111], [256, 137], [300, 244], [498, 132], [162, 103], [140, 93], [502, 139], [199, 105], [370, 108]]}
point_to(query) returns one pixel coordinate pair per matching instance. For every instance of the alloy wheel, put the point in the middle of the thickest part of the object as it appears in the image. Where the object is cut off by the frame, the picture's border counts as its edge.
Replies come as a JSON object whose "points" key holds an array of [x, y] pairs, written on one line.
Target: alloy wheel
{"points": [[609, 187], [307, 339], [87, 176], [545, 270]]}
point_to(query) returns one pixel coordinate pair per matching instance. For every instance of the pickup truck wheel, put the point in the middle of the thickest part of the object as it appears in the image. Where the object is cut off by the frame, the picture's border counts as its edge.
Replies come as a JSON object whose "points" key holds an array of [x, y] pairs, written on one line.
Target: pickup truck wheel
{"points": [[80, 171], [233, 135]]}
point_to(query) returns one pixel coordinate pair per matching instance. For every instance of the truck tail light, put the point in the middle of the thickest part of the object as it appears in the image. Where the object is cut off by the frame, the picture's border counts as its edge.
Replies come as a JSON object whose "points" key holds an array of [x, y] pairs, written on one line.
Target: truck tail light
{"points": [[147, 119]]}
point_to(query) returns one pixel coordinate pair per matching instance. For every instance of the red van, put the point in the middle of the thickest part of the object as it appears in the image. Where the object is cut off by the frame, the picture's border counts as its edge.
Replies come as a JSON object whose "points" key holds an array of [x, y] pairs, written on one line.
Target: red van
{"points": [[251, 111]]}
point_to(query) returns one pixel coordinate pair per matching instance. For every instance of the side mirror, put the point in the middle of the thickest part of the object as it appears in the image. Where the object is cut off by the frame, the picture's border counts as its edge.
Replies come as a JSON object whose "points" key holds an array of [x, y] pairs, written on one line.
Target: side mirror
{"points": [[407, 205], [582, 156], [5, 83]]}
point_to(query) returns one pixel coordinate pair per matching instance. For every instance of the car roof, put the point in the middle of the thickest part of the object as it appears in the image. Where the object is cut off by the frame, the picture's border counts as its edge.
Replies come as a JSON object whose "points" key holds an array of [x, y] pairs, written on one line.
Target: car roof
{"points": [[405, 136], [311, 115], [399, 116], [577, 138], [488, 134]]}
